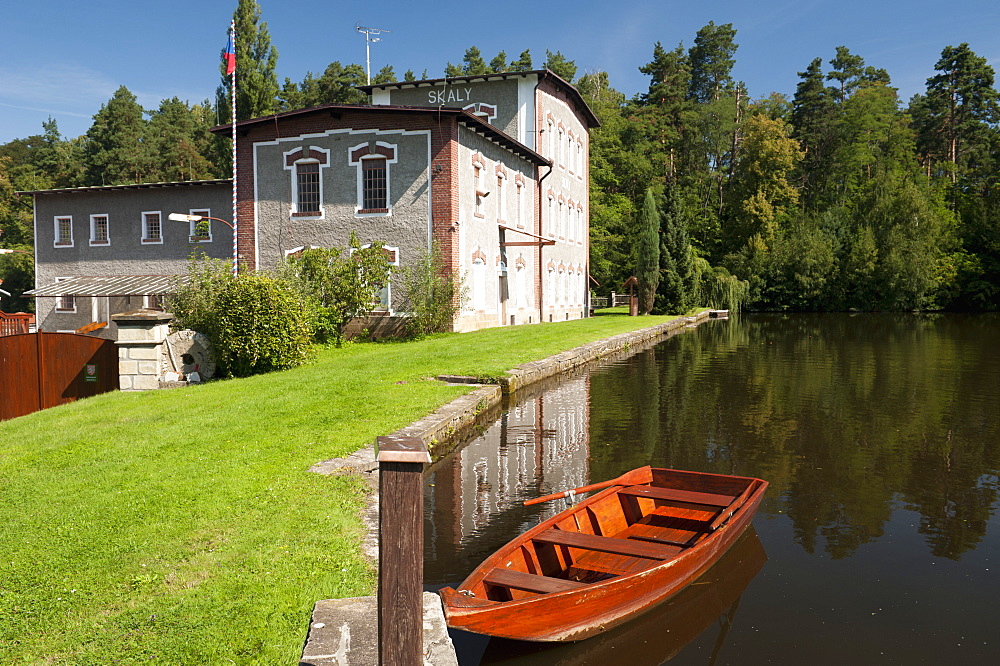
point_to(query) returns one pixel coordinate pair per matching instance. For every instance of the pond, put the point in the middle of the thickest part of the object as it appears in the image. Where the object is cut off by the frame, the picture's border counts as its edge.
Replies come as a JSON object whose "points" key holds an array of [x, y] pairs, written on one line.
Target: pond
{"points": [[878, 541]]}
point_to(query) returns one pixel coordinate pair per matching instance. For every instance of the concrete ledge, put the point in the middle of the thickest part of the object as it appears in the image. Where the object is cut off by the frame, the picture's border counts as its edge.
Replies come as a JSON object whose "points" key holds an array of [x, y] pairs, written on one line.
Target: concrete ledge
{"points": [[345, 632]]}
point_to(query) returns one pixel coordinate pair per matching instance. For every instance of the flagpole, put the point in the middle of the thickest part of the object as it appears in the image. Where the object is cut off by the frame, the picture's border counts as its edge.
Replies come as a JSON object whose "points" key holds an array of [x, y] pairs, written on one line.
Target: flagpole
{"points": [[236, 224]]}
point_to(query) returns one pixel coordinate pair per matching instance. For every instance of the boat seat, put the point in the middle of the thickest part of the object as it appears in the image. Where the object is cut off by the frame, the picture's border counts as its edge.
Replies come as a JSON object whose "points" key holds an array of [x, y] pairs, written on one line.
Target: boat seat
{"points": [[687, 496], [603, 544], [529, 582]]}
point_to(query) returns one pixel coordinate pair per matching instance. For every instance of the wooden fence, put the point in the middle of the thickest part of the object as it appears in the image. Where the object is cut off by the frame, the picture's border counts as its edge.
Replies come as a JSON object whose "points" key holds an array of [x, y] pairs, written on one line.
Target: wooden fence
{"points": [[41, 370], [15, 324]]}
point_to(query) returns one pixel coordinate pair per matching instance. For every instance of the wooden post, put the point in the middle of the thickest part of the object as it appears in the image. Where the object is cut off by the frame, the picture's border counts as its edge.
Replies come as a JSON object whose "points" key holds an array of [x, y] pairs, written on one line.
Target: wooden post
{"points": [[401, 550]]}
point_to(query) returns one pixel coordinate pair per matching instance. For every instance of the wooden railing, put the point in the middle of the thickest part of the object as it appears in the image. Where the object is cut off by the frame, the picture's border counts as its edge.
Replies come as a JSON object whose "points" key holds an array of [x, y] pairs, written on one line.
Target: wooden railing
{"points": [[15, 324]]}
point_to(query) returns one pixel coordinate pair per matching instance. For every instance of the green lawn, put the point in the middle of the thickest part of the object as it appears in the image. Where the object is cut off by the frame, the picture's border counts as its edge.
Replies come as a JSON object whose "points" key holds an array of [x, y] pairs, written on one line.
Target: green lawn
{"points": [[182, 526]]}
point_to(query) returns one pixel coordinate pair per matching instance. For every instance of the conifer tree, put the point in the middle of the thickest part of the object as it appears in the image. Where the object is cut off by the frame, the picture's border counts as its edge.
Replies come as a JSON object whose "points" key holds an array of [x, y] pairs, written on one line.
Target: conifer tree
{"points": [[256, 67], [558, 65], [115, 152], [474, 63], [499, 62], [647, 252], [523, 63]]}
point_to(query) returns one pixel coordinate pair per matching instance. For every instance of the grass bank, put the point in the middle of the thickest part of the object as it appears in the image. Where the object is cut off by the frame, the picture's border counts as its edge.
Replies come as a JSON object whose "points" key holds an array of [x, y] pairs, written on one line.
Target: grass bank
{"points": [[182, 526]]}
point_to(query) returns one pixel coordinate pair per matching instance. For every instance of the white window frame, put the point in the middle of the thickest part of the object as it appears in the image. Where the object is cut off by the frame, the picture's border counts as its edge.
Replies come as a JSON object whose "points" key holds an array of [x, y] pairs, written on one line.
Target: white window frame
{"points": [[192, 235], [146, 239], [519, 204], [56, 239], [387, 307], [61, 300], [93, 230], [293, 170], [501, 197], [359, 165]]}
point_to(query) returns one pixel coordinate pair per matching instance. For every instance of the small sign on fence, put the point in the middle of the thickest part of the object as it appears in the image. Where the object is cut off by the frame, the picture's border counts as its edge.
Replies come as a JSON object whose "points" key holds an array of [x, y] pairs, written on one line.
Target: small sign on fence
{"points": [[90, 372]]}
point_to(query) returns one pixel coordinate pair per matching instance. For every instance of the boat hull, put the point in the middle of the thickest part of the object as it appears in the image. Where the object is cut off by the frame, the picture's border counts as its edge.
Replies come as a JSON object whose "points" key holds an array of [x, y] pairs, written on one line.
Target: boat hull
{"points": [[577, 614]]}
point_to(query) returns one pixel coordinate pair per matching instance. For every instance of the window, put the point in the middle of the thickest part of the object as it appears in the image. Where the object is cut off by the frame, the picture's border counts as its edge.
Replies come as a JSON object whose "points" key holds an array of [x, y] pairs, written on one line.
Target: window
{"points": [[519, 203], [478, 165], [201, 231], [306, 165], [375, 185], [307, 184], [66, 302], [99, 230], [372, 160], [152, 231], [63, 232], [501, 196]]}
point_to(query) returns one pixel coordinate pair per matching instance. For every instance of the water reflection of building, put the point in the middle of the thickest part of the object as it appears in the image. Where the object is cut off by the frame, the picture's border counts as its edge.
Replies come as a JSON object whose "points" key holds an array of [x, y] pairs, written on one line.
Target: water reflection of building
{"points": [[538, 446]]}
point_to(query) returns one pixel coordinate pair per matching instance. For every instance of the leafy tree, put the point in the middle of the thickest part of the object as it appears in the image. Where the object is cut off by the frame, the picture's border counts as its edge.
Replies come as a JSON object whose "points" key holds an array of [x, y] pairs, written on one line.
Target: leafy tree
{"points": [[647, 250], [114, 149], [761, 196], [433, 295], [341, 283], [558, 65]]}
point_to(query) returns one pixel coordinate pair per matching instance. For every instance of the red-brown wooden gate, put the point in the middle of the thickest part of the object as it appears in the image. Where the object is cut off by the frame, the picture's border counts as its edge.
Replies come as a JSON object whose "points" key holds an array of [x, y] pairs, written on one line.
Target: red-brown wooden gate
{"points": [[40, 370]]}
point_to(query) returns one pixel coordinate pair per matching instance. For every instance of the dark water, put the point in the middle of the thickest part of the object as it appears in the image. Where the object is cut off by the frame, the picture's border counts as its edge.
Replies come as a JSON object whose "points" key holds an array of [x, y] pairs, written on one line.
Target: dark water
{"points": [[879, 434]]}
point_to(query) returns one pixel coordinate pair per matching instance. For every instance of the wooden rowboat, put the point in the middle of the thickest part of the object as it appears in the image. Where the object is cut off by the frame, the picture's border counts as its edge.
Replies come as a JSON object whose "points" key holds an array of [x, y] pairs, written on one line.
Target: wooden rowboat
{"points": [[642, 539]]}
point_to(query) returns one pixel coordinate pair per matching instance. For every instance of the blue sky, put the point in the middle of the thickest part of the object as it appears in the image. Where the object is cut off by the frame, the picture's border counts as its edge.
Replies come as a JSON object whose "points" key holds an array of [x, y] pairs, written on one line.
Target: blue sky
{"points": [[66, 58]]}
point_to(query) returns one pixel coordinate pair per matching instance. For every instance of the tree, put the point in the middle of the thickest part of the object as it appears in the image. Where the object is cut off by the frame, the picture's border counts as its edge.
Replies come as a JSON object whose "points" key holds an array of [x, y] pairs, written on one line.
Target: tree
{"points": [[647, 251], [673, 294], [558, 65], [474, 63], [814, 122], [433, 294], [340, 283], [499, 62], [385, 75], [523, 63], [179, 141], [256, 66], [712, 61], [960, 106], [114, 149], [453, 70]]}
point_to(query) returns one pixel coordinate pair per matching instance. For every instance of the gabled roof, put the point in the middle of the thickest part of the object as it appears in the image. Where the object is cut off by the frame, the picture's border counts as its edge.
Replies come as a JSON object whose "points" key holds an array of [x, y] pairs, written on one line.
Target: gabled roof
{"points": [[463, 117], [543, 75]]}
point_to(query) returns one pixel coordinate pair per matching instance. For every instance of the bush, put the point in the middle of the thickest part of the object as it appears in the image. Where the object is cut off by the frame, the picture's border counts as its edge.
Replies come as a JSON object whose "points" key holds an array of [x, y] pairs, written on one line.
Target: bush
{"points": [[339, 286], [256, 322], [432, 295]]}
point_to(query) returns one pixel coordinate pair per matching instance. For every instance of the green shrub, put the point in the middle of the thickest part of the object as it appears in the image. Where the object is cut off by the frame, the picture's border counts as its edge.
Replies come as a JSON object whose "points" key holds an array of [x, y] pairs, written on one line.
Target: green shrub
{"points": [[256, 322], [433, 296], [338, 285]]}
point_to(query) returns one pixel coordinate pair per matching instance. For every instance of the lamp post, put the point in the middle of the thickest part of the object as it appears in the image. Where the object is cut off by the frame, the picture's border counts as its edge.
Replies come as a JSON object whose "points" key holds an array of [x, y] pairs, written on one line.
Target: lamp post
{"points": [[181, 217], [5, 251]]}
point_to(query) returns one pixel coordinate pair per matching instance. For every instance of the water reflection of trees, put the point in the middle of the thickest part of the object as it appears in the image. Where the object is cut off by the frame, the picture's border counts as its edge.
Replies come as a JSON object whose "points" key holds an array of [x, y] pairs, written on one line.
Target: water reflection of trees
{"points": [[847, 417]]}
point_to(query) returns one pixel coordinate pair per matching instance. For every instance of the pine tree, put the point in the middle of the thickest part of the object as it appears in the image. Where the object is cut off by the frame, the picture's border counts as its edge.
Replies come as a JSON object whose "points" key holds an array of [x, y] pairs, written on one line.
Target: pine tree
{"points": [[558, 65], [712, 61], [178, 138], [474, 63], [647, 252], [115, 152], [523, 63], [674, 292], [814, 125], [499, 62], [385, 75]]}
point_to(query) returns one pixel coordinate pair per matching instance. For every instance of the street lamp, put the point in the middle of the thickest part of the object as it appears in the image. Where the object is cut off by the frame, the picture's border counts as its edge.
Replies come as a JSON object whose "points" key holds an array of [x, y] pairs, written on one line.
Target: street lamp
{"points": [[181, 217], [5, 251]]}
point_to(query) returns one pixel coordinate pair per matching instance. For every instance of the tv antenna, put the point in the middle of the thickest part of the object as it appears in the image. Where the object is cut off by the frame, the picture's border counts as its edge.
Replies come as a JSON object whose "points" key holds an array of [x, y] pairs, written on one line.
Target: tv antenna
{"points": [[371, 35]]}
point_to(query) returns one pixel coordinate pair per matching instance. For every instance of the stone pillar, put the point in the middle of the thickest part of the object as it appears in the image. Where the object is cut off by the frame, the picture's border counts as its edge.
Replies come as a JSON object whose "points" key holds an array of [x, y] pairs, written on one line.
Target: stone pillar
{"points": [[141, 336]]}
